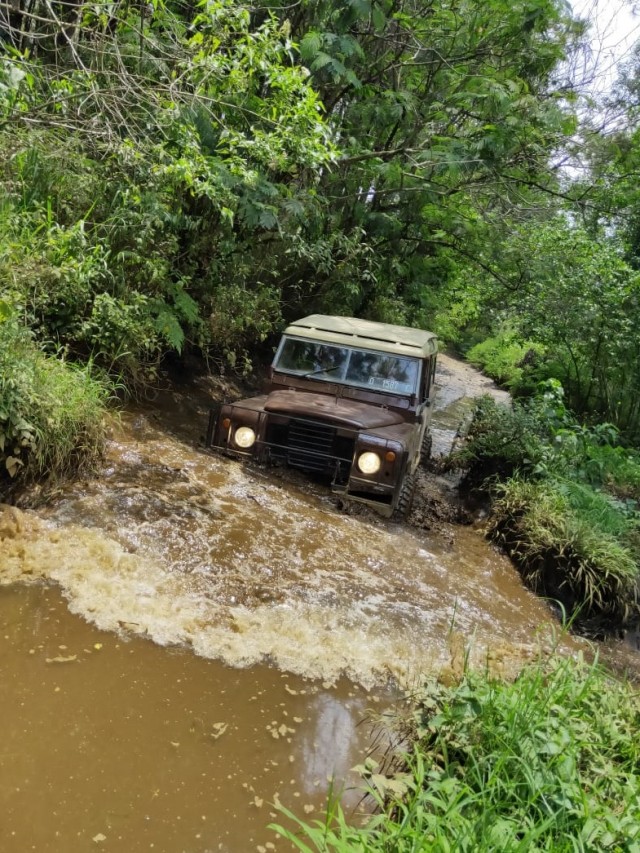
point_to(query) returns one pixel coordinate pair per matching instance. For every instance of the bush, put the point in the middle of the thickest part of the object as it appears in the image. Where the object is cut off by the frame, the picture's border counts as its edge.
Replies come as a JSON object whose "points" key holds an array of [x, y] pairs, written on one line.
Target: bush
{"points": [[547, 763], [508, 360], [501, 440], [51, 412], [565, 502]]}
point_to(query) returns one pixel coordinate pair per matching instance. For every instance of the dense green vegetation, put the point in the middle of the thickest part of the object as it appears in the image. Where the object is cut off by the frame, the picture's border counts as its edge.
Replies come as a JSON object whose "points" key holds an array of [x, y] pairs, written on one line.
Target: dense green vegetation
{"points": [[565, 503], [186, 177], [546, 763], [234, 167], [51, 413], [574, 305]]}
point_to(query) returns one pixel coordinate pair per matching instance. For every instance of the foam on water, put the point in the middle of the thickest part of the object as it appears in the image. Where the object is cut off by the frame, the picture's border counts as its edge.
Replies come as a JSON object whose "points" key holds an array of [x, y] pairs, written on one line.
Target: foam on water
{"points": [[319, 606], [187, 547]]}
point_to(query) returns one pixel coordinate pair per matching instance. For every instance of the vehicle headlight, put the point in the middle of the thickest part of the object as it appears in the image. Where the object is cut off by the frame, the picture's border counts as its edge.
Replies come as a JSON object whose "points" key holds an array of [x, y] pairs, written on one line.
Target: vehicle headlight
{"points": [[369, 463], [244, 437]]}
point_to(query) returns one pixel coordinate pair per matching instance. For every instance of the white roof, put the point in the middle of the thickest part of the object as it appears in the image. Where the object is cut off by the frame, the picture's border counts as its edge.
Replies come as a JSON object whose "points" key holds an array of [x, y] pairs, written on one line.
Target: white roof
{"points": [[401, 340]]}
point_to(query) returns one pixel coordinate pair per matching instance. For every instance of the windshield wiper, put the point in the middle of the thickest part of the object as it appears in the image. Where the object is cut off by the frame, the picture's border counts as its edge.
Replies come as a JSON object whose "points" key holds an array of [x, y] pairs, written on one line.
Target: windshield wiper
{"points": [[321, 370]]}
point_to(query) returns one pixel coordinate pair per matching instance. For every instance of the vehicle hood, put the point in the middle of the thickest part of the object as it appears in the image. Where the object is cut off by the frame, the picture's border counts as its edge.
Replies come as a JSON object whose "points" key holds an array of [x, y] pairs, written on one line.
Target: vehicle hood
{"points": [[337, 410]]}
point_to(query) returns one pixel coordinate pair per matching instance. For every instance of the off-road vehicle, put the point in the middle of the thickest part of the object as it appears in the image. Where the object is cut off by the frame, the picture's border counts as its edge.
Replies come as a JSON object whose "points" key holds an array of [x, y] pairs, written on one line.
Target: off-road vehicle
{"points": [[348, 399]]}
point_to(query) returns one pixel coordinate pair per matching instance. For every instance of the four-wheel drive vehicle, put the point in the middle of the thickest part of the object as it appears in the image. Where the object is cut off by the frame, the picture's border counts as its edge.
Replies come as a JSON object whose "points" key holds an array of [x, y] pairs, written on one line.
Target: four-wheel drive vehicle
{"points": [[349, 399]]}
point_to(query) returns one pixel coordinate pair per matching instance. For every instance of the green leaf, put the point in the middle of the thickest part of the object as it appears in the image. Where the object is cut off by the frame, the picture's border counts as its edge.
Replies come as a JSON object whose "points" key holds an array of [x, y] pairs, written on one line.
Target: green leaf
{"points": [[13, 464], [167, 325], [321, 60], [310, 46], [185, 305], [378, 17]]}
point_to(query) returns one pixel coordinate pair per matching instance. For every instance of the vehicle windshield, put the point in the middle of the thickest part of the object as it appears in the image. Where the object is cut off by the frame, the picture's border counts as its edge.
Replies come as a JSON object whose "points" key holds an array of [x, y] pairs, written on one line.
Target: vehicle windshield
{"points": [[362, 368]]}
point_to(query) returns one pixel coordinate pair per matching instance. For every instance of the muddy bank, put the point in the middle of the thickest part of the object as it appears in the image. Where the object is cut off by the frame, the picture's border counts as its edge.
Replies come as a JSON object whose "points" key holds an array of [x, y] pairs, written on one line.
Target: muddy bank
{"points": [[438, 504]]}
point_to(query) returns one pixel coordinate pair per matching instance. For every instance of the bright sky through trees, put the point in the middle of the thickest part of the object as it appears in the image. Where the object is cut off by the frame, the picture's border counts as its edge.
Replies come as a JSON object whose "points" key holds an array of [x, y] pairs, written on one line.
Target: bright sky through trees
{"points": [[615, 28]]}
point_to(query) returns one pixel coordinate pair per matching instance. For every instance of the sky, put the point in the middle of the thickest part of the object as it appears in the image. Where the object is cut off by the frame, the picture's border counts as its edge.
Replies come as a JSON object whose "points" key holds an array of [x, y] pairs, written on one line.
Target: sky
{"points": [[614, 30]]}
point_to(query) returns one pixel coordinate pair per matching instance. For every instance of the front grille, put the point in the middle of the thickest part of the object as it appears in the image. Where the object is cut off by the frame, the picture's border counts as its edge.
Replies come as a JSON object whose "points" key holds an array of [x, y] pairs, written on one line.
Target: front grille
{"points": [[311, 446]]}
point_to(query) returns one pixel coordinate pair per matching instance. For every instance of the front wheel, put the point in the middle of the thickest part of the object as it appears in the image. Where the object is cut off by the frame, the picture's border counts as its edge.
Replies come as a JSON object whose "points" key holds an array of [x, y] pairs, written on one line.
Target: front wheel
{"points": [[425, 448], [405, 499]]}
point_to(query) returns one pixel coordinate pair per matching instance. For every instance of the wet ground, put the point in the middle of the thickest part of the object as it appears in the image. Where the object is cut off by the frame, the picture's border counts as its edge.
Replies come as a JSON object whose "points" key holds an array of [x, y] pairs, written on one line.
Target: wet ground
{"points": [[215, 633]]}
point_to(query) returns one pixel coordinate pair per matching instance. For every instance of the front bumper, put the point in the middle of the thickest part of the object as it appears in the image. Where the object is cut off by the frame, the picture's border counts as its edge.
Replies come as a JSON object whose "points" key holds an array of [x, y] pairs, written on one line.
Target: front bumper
{"points": [[319, 447]]}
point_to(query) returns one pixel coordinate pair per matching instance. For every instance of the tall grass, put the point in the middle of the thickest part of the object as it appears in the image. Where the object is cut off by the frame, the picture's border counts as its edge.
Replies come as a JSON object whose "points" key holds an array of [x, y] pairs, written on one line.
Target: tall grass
{"points": [[565, 504], [68, 415], [571, 543], [550, 762], [51, 412]]}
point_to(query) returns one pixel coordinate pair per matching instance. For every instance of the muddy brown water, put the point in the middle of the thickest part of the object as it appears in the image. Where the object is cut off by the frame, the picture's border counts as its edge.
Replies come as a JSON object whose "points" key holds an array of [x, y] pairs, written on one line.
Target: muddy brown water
{"points": [[187, 642]]}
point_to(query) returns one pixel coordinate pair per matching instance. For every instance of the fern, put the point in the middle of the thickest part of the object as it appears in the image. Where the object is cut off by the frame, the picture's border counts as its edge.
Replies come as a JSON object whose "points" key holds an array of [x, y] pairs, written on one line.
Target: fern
{"points": [[310, 46], [321, 60], [167, 325], [185, 307]]}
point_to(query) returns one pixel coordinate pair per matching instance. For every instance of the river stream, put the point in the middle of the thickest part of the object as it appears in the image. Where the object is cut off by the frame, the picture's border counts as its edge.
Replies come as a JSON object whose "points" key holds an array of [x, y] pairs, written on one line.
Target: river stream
{"points": [[189, 641]]}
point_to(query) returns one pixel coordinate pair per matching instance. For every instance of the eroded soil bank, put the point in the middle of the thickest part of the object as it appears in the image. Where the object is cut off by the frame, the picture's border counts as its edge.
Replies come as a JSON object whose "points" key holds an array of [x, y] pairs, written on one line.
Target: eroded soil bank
{"points": [[300, 618]]}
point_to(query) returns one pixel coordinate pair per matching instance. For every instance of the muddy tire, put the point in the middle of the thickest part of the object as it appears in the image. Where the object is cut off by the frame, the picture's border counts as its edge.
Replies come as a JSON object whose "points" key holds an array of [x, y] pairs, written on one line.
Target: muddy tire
{"points": [[405, 500], [425, 449]]}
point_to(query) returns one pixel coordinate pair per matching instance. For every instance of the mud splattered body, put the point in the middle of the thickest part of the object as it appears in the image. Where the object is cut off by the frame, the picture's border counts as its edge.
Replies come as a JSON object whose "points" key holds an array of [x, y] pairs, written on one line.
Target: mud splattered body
{"points": [[261, 576]]}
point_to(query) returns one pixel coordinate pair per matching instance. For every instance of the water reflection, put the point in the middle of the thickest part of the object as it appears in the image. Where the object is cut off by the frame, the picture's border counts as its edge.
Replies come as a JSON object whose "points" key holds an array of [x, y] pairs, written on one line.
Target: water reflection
{"points": [[324, 751]]}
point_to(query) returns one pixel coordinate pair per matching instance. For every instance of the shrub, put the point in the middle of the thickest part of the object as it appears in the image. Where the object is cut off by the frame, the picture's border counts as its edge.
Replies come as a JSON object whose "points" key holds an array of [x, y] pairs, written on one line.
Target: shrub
{"points": [[51, 412], [546, 763], [565, 502], [508, 360], [501, 440]]}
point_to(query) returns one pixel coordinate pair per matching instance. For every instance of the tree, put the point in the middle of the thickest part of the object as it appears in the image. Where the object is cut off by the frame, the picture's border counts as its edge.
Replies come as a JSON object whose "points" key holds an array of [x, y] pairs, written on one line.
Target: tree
{"points": [[443, 112]]}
